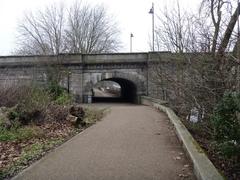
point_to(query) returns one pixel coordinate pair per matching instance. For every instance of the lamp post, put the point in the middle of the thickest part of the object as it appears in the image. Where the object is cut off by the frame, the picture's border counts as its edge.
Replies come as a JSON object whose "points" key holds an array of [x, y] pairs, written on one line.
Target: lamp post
{"points": [[238, 50], [68, 81], [131, 36], [152, 12]]}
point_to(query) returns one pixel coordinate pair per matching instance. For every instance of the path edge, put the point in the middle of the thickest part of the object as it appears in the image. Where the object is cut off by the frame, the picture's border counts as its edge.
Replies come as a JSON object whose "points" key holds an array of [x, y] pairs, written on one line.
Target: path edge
{"points": [[202, 166]]}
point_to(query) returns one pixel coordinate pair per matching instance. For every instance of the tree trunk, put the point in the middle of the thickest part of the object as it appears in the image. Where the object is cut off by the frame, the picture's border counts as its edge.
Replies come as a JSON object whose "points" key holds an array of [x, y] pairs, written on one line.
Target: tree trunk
{"points": [[216, 25], [236, 49], [228, 32]]}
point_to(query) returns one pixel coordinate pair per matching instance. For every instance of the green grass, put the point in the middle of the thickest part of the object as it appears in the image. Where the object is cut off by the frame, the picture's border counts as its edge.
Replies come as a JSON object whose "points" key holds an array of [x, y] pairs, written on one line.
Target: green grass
{"points": [[35, 150], [64, 99], [22, 133], [29, 154], [38, 149]]}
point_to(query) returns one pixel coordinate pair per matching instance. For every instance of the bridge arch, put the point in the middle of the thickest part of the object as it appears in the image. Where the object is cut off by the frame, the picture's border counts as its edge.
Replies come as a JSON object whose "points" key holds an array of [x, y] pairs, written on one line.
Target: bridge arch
{"points": [[128, 92], [133, 85]]}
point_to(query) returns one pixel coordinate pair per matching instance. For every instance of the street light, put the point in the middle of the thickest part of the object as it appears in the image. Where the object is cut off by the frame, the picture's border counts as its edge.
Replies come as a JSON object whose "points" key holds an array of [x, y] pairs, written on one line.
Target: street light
{"points": [[238, 50], [131, 36], [152, 12]]}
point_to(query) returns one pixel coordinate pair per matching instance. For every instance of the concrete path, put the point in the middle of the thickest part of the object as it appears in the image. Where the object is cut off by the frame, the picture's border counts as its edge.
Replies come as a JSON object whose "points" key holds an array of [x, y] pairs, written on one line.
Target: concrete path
{"points": [[99, 93], [131, 142]]}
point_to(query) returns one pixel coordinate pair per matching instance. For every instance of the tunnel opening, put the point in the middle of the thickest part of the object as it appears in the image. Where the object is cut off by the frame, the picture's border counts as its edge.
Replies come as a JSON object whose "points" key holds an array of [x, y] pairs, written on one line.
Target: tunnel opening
{"points": [[114, 90]]}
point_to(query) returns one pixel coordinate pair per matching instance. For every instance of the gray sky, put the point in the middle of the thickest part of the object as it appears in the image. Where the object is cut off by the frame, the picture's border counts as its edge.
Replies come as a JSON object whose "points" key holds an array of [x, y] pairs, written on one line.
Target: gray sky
{"points": [[131, 15]]}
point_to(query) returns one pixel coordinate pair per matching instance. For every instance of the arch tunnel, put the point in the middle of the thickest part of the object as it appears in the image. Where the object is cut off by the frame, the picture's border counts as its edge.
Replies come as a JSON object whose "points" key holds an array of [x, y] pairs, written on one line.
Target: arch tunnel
{"points": [[127, 92]]}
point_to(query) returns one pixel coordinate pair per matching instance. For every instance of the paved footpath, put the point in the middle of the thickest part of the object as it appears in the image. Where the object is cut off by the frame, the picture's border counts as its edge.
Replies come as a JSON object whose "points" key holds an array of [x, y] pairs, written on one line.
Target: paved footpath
{"points": [[130, 143]]}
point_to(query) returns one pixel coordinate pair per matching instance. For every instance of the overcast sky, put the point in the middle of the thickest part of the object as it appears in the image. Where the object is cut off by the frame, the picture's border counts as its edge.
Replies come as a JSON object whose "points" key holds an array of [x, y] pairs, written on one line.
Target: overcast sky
{"points": [[131, 15]]}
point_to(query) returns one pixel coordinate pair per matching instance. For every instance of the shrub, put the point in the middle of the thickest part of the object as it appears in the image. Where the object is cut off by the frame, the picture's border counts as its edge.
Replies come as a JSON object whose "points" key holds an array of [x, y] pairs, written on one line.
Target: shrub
{"points": [[31, 103], [64, 99], [58, 94], [226, 124], [11, 94], [30, 107], [55, 90]]}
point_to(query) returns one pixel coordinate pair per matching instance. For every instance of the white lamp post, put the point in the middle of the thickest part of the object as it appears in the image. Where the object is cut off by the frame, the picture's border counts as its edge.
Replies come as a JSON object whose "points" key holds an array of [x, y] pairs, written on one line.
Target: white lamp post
{"points": [[152, 12], [131, 36]]}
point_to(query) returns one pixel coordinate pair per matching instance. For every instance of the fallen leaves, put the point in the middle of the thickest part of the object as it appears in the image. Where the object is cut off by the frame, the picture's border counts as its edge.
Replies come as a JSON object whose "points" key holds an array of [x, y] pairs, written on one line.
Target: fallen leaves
{"points": [[11, 152], [19, 153]]}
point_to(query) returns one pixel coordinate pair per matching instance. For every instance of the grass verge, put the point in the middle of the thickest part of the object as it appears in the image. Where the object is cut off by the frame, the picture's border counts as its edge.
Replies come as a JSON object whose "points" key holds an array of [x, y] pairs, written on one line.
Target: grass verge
{"points": [[23, 133], [33, 142], [28, 155]]}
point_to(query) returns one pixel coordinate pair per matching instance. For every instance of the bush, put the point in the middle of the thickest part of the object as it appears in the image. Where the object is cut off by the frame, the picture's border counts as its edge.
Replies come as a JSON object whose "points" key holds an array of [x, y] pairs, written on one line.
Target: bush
{"points": [[31, 107], [58, 94], [55, 90], [11, 94], [64, 99], [31, 103], [226, 124]]}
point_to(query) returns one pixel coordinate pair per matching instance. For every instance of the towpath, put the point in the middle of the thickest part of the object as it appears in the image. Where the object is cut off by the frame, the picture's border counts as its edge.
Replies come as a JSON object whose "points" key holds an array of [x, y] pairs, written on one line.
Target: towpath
{"points": [[132, 142]]}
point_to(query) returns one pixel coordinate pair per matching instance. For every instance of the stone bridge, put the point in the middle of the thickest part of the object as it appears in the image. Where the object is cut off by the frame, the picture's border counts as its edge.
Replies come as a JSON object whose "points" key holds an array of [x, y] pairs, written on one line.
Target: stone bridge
{"points": [[82, 71]]}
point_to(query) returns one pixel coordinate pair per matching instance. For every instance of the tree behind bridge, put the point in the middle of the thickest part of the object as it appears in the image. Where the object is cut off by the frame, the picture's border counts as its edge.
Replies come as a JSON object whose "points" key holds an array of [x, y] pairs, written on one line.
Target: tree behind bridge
{"points": [[79, 29]]}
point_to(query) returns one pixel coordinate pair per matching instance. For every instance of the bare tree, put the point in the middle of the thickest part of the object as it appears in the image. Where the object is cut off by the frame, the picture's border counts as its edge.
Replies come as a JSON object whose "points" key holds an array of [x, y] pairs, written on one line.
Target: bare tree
{"points": [[204, 35], [42, 32], [213, 8], [200, 75], [177, 31], [85, 30], [208, 31], [224, 21], [90, 30], [229, 31], [170, 33]]}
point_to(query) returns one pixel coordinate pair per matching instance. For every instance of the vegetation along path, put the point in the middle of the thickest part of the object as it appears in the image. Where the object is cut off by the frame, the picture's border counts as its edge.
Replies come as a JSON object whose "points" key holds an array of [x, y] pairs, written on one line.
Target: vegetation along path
{"points": [[131, 142]]}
